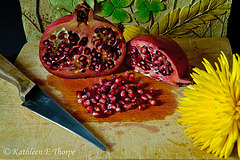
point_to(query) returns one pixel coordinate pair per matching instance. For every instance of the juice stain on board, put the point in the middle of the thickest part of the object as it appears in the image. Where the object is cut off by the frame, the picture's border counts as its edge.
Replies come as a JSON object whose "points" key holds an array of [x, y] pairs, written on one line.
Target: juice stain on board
{"points": [[166, 99]]}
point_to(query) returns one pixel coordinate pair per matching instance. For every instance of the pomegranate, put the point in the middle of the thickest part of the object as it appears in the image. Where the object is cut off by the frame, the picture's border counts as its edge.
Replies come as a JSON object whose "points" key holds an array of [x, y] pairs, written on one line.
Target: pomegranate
{"points": [[158, 57], [120, 93], [80, 45]]}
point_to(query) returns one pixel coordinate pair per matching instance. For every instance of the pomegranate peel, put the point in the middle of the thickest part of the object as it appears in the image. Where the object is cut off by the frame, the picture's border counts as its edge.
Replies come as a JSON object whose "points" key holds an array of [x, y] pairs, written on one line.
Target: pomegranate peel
{"points": [[158, 57], [80, 45]]}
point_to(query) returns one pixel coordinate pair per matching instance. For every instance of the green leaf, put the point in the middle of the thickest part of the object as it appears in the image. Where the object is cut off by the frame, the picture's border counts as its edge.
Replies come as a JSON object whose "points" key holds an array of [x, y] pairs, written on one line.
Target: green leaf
{"points": [[120, 15], [106, 9], [142, 16], [121, 3], [98, 1], [156, 6], [142, 4], [89, 2]]}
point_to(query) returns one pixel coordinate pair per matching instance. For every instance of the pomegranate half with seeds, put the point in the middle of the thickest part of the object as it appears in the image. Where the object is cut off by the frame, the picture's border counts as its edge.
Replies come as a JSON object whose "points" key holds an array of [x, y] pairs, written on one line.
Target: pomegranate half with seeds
{"points": [[158, 57], [79, 45]]}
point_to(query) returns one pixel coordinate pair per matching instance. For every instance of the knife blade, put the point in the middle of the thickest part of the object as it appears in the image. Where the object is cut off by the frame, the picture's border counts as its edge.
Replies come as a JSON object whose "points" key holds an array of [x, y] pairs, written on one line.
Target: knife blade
{"points": [[39, 102]]}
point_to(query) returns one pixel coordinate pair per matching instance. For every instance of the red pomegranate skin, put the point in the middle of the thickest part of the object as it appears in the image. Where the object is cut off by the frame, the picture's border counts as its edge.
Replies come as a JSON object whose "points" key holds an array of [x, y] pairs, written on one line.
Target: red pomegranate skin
{"points": [[169, 48], [85, 27]]}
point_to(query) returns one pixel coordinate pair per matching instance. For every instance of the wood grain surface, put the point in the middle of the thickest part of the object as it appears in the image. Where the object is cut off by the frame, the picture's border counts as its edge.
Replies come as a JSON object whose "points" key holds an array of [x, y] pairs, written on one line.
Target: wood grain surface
{"points": [[151, 134]]}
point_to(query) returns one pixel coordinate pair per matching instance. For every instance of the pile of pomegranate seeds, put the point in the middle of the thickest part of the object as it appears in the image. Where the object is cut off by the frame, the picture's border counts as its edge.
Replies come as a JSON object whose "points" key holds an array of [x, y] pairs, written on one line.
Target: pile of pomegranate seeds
{"points": [[120, 93]]}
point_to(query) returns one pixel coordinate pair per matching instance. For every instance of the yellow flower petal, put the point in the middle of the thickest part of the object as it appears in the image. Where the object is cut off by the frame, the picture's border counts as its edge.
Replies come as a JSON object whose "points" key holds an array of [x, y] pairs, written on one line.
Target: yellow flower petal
{"points": [[210, 107]]}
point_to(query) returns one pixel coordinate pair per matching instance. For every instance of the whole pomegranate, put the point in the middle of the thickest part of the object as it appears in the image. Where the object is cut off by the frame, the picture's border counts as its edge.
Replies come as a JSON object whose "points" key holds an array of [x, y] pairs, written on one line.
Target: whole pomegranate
{"points": [[158, 57], [79, 45]]}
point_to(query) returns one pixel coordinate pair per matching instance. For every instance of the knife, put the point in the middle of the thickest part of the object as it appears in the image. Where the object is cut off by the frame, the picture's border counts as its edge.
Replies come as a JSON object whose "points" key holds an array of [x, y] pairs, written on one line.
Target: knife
{"points": [[39, 102]]}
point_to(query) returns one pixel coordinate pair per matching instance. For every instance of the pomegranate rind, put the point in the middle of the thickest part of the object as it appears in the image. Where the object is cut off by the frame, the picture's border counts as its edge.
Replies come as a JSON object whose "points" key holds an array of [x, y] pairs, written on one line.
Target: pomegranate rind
{"points": [[174, 53], [70, 23]]}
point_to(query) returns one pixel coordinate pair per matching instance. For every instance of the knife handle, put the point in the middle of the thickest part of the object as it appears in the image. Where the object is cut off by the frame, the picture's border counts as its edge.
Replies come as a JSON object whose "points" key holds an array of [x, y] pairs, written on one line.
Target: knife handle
{"points": [[11, 74]]}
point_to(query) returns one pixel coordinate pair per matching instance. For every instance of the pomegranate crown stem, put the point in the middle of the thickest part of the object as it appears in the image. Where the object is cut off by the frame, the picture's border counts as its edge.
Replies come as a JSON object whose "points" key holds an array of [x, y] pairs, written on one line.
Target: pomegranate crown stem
{"points": [[82, 12]]}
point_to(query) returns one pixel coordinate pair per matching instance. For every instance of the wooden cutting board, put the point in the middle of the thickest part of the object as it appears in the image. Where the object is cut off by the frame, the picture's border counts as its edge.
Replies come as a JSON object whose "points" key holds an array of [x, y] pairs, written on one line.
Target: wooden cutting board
{"points": [[151, 134]]}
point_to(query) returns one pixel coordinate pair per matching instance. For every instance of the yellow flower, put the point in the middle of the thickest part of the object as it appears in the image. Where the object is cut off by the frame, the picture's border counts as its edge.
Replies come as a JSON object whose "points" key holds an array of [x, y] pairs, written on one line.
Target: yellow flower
{"points": [[210, 107]]}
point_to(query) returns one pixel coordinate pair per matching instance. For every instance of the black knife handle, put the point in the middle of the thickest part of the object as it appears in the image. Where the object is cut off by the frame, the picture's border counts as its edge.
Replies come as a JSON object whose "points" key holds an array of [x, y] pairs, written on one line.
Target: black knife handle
{"points": [[10, 73]]}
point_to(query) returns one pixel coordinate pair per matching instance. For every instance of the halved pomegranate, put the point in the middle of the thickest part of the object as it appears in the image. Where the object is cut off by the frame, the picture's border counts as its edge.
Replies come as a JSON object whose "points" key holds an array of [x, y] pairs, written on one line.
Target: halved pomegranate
{"points": [[79, 45], [158, 57]]}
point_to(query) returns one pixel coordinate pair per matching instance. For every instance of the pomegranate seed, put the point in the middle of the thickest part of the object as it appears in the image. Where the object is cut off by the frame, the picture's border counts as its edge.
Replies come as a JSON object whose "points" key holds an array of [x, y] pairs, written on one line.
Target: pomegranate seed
{"points": [[140, 91], [104, 95], [89, 94], [102, 106], [93, 100], [118, 81], [96, 108], [118, 109], [107, 112], [84, 97], [149, 96], [123, 94], [152, 91], [142, 107], [97, 97], [152, 102], [80, 100], [121, 102], [89, 109], [86, 103], [111, 106], [131, 78], [126, 74], [114, 86], [134, 99], [102, 100], [144, 97], [96, 114], [127, 100], [127, 106], [101, 81], [79, 94], [113, 99], [139, 101]]}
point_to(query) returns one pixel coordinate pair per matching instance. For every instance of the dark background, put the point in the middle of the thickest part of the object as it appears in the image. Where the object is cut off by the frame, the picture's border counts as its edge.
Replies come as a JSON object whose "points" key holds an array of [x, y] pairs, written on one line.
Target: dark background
{"points": [[12, 37]]}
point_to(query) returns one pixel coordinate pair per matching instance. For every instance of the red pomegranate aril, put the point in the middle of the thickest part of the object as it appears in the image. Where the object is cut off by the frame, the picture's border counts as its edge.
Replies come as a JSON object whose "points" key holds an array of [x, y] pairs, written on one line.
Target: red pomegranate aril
{"points": [[152, 102], [107, 112], [113, 99], [102, 100], [131, 78], [90, 109], [96, 108], [87, 102], [111, 107], [121, 102], [96, 114], [127, 100], [140, 91], [142, 107], [149, 96], [80, 100], [79, 94], [118, 109], [123, 94], [106, 97], [84, 97], [102, 106], [127, 106], [144, 97], [152, 91]]}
